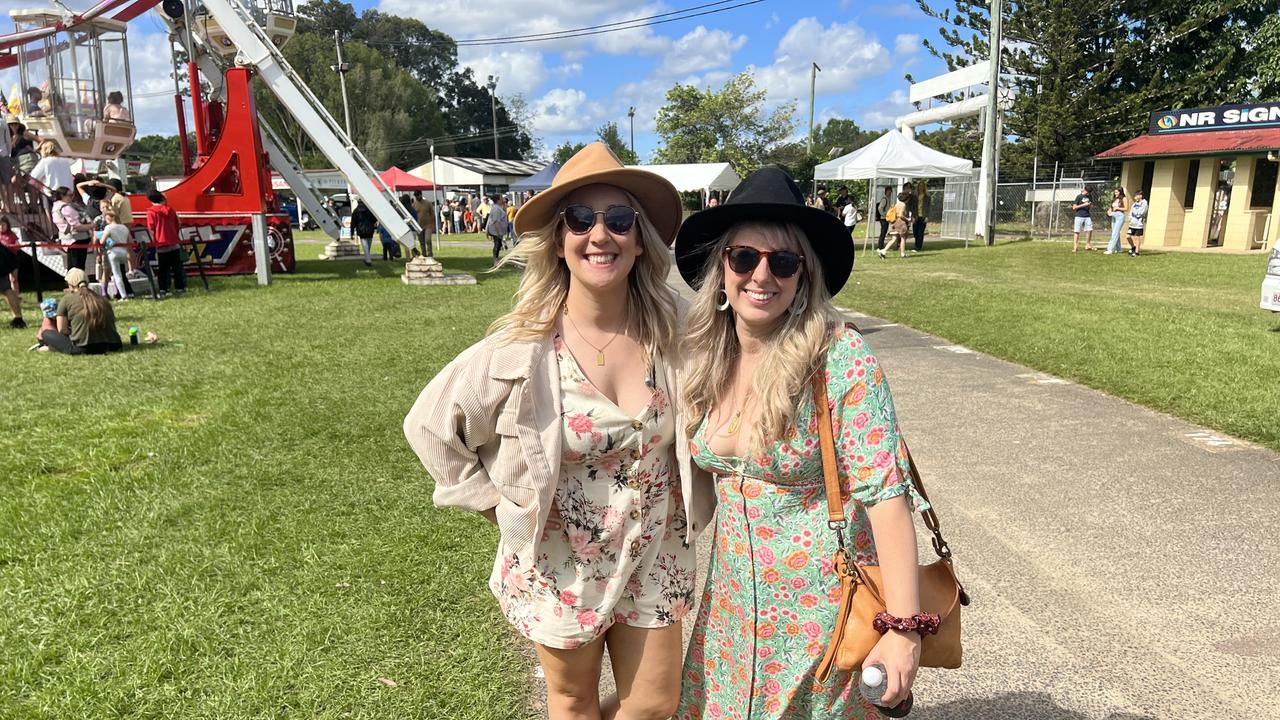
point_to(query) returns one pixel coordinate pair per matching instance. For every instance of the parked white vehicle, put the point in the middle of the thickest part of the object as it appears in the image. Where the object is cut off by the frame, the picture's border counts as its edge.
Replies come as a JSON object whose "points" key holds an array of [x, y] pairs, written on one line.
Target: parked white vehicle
{"points": [[1271, 283]]}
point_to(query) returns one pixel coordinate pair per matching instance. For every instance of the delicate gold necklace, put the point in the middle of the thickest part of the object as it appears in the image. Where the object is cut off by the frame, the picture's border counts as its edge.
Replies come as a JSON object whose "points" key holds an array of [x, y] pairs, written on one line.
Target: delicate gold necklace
{"points": [[599, 350], [735, 420]]}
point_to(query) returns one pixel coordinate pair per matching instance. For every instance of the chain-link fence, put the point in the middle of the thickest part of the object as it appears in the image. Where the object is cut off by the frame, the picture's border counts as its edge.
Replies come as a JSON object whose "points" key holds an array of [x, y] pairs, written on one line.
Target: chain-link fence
{"points": [[1038, 209]]}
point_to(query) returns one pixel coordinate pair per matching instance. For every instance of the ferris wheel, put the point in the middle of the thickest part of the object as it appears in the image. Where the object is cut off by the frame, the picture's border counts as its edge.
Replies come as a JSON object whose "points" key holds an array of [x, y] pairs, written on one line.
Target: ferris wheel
{"points": [[75, 91]]}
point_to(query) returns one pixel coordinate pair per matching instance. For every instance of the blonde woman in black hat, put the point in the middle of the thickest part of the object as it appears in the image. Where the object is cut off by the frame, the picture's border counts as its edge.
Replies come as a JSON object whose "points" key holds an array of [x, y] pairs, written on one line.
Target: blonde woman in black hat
{"points": [[765, 268], [562, 428]]}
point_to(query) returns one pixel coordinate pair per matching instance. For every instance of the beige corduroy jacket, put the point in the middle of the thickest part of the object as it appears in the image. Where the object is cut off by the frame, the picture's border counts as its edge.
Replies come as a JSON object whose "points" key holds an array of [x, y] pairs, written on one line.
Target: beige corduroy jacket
{"points": [[488, 430]]}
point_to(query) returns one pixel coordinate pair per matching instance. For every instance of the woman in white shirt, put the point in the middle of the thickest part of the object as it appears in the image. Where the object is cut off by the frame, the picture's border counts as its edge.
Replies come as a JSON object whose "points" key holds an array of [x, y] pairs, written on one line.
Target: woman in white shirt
{"points": [[53, 171]]}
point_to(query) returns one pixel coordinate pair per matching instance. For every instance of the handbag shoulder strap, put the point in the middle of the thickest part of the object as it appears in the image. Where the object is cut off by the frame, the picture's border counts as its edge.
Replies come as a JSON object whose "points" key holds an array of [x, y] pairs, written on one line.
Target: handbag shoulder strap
{"points": [[831, 475]]}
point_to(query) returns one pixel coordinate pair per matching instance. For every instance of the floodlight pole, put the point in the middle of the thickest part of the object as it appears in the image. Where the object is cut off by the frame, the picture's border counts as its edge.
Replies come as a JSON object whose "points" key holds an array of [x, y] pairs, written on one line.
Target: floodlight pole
{"points": [[989, 173], [341, 68], [493, 107], [631, 115], [813, 85]]}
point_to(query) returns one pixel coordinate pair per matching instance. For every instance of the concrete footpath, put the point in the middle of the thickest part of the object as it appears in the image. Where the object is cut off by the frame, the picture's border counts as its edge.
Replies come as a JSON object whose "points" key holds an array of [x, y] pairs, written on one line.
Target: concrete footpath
{"points": [[1122, 563]]}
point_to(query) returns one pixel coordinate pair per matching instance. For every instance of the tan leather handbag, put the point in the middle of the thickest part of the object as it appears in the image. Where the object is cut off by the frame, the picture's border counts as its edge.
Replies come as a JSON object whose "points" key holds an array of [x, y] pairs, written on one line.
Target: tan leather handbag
{"points": [[861, 595]]}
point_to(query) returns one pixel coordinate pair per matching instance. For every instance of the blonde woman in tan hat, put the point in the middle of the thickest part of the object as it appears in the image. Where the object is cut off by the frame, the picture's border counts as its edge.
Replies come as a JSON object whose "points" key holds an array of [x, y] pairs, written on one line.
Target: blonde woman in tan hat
{"points": [[562, 428]]}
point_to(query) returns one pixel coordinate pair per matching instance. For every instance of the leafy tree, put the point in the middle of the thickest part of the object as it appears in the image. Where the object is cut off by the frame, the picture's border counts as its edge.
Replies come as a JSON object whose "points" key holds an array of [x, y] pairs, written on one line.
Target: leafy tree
{"points": [[1088, 74], [729, 125], [164, 152], [609, 135], [392, 113], [431, 58], [565, 151]]}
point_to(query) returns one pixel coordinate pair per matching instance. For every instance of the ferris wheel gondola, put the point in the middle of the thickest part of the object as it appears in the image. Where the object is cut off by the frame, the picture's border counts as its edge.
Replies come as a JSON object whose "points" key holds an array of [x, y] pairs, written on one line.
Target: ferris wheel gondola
{"points": [[74, 83]]}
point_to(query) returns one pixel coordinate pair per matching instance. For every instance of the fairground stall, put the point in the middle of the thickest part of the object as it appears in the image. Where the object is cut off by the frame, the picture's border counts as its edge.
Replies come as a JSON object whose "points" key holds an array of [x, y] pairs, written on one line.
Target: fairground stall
{"points": [[1209, 175]]}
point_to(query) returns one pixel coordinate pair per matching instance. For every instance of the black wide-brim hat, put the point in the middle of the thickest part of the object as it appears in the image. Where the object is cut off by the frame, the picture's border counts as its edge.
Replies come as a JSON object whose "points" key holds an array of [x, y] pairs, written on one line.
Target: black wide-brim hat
{"points": [[768, 195]]}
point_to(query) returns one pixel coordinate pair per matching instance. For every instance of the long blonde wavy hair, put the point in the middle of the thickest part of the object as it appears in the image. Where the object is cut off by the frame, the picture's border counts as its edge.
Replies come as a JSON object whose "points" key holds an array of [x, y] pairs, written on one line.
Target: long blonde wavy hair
{"points": [[651, 320], [795, 349]]}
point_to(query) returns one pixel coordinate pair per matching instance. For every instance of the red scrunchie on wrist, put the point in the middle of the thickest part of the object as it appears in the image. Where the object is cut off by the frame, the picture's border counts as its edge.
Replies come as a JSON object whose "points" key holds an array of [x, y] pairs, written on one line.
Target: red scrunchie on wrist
{"points": [[923, 623]]}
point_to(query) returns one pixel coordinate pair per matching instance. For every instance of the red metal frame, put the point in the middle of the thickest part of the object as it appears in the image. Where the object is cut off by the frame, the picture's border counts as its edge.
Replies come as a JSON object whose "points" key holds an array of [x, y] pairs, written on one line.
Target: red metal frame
{"points": [[216, 201]]}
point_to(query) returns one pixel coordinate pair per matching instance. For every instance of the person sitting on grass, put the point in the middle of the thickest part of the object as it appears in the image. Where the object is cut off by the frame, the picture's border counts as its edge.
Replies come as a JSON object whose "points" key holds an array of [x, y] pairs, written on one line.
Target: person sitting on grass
{"points": [[86, 324]]}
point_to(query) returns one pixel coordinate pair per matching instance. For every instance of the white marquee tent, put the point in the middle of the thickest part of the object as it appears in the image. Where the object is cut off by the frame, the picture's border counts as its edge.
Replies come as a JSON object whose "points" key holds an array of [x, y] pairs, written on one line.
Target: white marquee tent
{"points": [[696, 177], [892, 155]]}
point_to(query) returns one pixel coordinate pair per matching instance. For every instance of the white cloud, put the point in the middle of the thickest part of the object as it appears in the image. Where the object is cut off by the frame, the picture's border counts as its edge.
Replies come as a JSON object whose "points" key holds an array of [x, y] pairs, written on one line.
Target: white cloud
{"points": [[883, 113], [846, 54], [568, 70], [518, 71], [906, 44], [563, 111], [701, 49]]}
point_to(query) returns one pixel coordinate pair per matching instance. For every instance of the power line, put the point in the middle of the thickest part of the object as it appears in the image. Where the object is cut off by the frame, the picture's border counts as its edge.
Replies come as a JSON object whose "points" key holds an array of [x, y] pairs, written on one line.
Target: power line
{"points": [[578, 32]]}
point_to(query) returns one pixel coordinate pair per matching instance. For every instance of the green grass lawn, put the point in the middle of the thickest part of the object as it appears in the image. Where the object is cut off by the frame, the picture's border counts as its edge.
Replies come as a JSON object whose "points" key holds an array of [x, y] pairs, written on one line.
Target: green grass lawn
{"points": [[1179, 332], [229, 524]]}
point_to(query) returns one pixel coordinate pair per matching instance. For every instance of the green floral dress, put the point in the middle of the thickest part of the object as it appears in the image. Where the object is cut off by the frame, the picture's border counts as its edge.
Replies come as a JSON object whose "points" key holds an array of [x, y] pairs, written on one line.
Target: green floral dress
{"points": [[770, 599]]}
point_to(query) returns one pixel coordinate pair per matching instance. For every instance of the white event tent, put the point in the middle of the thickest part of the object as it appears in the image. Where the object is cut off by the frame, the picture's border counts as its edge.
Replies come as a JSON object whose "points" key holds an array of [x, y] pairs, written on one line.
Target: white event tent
{"points": [[892, 155], [696, 177]]}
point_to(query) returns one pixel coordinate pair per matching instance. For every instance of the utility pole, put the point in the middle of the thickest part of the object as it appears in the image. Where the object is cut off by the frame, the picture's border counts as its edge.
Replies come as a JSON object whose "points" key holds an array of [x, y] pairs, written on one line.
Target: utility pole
{"points": [[989, 174], [631, 115], [493, 106], [813, 85]]}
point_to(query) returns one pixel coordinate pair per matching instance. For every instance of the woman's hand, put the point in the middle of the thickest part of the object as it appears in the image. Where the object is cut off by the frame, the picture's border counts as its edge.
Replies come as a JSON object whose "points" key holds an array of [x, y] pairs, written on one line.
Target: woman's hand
{"points": [[899, 653]]}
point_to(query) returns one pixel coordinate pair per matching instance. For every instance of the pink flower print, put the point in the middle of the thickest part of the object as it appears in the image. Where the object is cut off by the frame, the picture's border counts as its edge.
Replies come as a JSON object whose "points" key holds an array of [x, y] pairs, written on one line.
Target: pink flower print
{"points": [[861, 419], [679, 608], [765, 652], [771, 687], [568, 598], [799, 583], [596, 438], [882, 460], [586, 389], [580, 543], [581, 423], [766, 556], [848, 374], [612, 518], [587, 617], [876, 436], [518, 583], [812, 630], [754, 512], [572, 456], [635, 586]]}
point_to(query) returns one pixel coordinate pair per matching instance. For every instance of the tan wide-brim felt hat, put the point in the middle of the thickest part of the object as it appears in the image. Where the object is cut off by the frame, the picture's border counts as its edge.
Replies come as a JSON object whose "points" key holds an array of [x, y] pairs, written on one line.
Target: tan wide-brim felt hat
{"points": [[595, 164]]}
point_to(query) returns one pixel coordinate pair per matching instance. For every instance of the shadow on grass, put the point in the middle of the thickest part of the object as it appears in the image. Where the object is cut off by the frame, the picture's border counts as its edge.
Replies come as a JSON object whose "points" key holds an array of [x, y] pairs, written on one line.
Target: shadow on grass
{"points": [[309, 271]]}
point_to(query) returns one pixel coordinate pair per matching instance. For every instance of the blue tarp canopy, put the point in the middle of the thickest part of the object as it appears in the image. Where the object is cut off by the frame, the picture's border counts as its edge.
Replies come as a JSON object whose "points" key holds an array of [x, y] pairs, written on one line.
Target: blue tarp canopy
{"points": [[539, 181]]}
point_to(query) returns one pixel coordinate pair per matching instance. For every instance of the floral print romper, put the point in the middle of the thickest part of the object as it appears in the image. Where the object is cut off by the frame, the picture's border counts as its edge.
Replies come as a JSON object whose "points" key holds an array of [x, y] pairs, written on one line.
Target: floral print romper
{"points": [[770, 599], [618, 553]]}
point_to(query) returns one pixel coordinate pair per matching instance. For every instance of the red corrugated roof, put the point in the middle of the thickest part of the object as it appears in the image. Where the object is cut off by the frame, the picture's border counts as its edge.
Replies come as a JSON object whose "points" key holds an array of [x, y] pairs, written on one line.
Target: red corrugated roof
{"points": [[1197, 143]]}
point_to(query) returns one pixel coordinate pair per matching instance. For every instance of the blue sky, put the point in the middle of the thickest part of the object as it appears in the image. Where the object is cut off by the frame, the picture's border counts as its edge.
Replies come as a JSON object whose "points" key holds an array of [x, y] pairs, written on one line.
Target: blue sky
{"points": [[575, 85]]}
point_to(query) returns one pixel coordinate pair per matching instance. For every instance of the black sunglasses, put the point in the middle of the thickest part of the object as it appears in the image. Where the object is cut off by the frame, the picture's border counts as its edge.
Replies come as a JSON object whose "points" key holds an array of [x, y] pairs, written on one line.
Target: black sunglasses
{"points": [[782, 263], [618, 219]]}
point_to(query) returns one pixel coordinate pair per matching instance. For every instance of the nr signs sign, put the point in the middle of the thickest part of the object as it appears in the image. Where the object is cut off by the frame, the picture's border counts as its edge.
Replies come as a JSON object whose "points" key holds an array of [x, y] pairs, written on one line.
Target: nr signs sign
{"points": [[1223, 117]]}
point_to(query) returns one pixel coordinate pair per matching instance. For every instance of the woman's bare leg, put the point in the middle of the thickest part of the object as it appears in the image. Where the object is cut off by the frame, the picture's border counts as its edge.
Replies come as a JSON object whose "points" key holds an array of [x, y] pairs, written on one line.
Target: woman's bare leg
{"points": [[646, 668], [573, 680]]}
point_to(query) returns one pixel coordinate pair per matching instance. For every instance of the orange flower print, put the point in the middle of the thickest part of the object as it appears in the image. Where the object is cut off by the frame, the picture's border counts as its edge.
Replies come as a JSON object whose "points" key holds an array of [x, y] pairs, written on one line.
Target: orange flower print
{"points": [[765, 630], [864, 473], [809, 600], [796, 560], [770, 575], [876, 436], [792, 629], [856, 394]]}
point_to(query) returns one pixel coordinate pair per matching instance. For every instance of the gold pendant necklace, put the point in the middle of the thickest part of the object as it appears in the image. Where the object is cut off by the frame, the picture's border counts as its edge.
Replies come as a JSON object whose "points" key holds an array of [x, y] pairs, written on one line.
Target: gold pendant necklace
{"points": [[599, 350], [734, 422]]}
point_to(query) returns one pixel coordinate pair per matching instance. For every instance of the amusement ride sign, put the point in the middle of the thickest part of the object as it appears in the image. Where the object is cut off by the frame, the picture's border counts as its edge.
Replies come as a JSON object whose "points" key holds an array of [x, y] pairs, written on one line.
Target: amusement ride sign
{"points": [[1223, 117]]}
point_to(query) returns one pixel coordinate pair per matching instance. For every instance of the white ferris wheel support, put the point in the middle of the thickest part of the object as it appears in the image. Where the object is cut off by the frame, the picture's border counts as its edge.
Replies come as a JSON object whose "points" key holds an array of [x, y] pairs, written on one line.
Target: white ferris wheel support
{"points": [[256, 50]]}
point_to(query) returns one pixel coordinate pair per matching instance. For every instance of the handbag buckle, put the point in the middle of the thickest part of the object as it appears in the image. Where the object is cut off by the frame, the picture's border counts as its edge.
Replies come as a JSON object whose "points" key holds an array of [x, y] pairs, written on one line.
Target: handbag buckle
{"points": [[838, 526], [940, 546]]}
